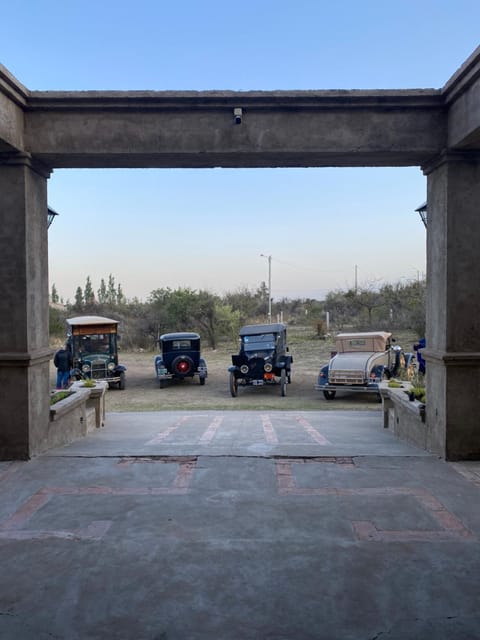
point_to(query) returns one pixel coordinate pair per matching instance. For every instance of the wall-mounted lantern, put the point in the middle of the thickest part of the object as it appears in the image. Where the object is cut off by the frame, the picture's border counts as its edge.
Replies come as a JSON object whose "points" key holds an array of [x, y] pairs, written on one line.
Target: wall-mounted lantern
{"points": [[52, 214], [422, 212]]}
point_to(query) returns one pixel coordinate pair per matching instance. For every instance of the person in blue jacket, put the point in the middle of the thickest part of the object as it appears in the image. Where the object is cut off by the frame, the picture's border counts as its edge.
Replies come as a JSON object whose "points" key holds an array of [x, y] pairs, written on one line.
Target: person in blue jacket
{"points": [[63, 361], [421, 344]]}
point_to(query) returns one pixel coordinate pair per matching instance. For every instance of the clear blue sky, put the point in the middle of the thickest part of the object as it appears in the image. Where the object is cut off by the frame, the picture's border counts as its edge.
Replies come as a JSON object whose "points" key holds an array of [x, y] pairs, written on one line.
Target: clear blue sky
{"points": [[317, 224]]}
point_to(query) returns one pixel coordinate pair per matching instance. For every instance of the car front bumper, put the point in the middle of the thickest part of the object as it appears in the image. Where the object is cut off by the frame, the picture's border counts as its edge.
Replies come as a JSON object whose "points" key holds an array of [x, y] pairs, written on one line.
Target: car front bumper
{"points": [[371, 387]]}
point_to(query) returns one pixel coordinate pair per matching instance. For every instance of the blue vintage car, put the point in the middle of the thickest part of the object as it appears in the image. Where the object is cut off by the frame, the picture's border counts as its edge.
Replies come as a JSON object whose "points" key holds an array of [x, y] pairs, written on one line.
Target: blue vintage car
{"points": [[360, 362], [180, 358]]}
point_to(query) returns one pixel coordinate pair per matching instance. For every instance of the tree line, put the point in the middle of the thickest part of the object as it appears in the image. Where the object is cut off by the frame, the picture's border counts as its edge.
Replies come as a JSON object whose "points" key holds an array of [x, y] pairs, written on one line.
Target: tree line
{"points": [[386, 307]]}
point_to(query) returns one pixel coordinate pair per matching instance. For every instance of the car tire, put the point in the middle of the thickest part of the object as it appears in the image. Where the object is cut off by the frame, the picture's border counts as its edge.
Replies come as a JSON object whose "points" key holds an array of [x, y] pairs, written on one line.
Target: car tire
{"points": [[329, 395], [283, 383], [183, 366], [163, 384], [121, 382], [202, 381], [233, 385]]}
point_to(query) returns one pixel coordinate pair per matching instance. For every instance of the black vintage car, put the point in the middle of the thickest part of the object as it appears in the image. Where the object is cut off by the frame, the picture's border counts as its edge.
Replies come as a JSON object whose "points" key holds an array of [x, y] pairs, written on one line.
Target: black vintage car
{"points": [[263, 358], [93, 341], [180, 358]]}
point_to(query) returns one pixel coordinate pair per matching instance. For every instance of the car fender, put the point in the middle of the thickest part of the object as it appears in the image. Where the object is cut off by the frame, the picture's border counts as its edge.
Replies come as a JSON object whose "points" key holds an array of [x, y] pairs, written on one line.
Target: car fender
{"points": [[409, 358], [120, 368], [378, 371], [158, 363], [202, 368], [323, 375]]}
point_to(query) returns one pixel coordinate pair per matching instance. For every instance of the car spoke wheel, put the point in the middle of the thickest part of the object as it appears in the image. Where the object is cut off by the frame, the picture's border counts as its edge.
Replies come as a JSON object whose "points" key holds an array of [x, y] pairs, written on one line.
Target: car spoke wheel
{"points": [[233, 385], [283, 383], [329, 395]]}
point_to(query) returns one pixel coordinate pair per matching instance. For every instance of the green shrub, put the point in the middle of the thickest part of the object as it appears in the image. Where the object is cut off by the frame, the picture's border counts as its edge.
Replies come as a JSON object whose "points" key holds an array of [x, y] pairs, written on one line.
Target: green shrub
{"points": [[59, 395], [395, 384]]}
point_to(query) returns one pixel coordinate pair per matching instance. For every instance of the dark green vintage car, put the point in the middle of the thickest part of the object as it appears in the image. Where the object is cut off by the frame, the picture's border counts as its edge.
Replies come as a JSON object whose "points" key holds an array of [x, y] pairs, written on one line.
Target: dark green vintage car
{"points": [[93, 341]]}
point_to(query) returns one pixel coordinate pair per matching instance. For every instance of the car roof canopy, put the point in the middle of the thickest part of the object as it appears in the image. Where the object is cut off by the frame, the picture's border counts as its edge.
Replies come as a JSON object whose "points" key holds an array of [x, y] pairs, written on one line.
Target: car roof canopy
{"points": [[180, 335], [257, 329], [90, 320], [365, 341]]}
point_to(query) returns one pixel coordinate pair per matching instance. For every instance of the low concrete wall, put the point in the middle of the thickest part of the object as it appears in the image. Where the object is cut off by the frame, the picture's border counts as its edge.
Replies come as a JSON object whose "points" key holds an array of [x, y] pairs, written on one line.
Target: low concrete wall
{"points": [[95, 403], [68, 420], [405, 418], [73, 417]]}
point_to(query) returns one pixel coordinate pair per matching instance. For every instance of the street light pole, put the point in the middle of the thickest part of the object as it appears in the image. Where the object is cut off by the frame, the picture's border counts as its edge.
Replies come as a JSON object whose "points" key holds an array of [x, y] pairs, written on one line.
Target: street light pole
{"points": [[269, 286]]}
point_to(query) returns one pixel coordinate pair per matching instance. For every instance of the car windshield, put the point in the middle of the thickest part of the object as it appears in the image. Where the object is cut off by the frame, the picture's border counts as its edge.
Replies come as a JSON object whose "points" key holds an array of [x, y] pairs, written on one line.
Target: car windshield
{"points": [[93, 343], [260, 342], [180, 344]]}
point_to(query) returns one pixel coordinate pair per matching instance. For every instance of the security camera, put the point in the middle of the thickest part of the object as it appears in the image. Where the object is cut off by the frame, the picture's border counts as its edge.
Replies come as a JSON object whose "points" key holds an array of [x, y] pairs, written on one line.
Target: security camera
{"points": [[237, 114]]}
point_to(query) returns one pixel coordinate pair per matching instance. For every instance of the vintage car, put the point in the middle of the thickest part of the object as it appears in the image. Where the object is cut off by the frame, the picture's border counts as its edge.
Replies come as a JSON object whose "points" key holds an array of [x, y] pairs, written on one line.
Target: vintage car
{"points": [[180, 358], [360, 361], [93, 341], [263, 358]]}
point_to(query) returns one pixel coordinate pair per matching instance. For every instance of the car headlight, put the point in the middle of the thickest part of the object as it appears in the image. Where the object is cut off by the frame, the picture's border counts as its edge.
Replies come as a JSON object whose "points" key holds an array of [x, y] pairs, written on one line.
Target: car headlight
{"points": [[111, 366], [244, 368], [85, 368], [267, 367]]}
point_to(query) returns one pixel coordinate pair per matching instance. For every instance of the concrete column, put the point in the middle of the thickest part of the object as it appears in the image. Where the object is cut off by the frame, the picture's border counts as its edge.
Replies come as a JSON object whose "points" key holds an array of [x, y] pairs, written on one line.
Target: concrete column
{"points": [[453, 306], [24, 334]]}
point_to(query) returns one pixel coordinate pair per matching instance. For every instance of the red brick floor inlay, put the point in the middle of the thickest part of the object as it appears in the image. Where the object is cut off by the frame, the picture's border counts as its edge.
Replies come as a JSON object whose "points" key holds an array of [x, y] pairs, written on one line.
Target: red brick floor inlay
{"points": [[14, 526], [449, 526]]}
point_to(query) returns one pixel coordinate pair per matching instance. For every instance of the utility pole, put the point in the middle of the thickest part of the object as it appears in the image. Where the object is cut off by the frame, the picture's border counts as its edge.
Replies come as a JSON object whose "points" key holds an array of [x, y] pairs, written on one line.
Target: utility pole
{"points": [[269, 286]]}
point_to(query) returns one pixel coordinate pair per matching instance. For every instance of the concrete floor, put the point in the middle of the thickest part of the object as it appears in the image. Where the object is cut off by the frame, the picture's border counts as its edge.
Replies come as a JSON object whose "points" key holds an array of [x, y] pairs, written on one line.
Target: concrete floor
{"points": [[240, 526]]}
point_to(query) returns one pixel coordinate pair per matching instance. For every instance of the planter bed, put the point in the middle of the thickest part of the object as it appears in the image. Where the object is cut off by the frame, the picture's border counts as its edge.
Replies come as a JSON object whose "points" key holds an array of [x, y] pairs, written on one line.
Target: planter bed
{"points": [[404, 417], [73, 417]]}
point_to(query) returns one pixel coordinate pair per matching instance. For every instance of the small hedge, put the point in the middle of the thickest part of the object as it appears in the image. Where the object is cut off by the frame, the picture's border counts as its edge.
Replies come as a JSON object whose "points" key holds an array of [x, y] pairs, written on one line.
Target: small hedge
{"points": [[59, 395]]}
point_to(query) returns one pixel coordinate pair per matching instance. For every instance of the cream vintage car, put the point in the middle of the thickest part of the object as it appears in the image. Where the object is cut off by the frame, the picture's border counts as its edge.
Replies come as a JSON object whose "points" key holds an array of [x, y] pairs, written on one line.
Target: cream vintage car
{"points": [[359, 363]]}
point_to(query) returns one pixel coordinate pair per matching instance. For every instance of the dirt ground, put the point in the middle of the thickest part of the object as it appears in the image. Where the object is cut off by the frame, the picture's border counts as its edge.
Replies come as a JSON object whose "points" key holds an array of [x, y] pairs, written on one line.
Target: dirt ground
{"points": [[142, 392]]}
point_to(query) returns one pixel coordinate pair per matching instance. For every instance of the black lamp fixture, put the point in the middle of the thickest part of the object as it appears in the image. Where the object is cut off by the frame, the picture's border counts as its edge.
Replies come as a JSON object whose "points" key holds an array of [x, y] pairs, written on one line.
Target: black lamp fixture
{"points": [[52, 214], [422, 212]]}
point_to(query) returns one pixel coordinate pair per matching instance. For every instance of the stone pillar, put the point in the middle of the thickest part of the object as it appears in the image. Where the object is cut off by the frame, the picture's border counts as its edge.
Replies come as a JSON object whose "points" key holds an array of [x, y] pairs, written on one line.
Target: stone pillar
{"points": [[24, 332], [453, 306]]}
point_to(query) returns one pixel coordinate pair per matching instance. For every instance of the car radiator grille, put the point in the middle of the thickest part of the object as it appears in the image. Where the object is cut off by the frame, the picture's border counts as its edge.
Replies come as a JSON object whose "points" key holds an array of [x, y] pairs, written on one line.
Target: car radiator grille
{"points": [[346, 377], [99, 369], [256, 367]]}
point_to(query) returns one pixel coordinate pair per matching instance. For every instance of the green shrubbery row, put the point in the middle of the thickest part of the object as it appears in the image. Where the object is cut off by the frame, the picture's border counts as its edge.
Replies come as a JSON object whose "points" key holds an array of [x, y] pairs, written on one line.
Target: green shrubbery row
{"points": [[389, 307]]}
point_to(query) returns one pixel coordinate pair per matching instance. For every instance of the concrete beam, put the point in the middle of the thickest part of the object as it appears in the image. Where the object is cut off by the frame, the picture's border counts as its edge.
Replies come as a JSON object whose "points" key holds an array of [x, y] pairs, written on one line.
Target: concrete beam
{"points": [[13, 99], [197, 129], [462, 97]]}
